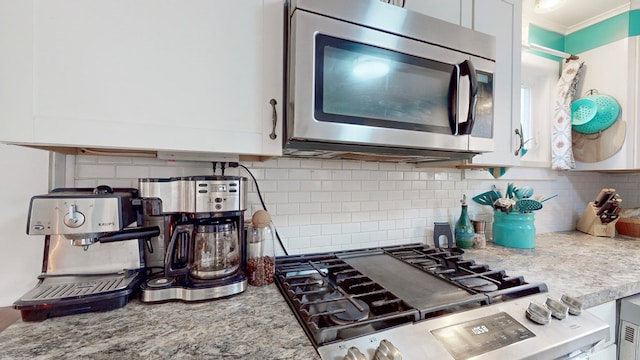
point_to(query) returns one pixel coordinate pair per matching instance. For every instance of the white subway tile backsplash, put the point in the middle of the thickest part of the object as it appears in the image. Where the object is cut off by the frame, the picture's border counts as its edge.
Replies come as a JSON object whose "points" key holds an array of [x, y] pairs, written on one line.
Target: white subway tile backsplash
{"points": [[341, 175], [300, 197], [370, 165], [321, 219], [331, 229], [311, 185], [300, 174], [288, 186], [310, 208], [321, 175], [319, 205], [276, 174], [288, 209], [368, 226], [95, 171], [341, 240], [360, 216], [131, 171]]}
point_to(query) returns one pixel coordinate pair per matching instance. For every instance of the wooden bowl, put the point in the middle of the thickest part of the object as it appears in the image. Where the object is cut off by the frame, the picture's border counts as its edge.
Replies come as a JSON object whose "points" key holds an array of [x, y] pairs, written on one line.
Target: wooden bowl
{"points": [[628, 227]]}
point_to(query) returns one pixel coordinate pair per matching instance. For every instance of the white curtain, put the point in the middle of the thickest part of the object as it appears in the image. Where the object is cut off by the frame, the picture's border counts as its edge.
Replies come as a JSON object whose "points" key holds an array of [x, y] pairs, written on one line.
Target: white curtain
{"points": [[565, 89]]}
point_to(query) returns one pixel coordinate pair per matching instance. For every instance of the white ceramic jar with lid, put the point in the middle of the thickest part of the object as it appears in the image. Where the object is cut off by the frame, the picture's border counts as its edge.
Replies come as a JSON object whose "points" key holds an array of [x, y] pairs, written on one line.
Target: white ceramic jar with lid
{"points": [[261, 249]]}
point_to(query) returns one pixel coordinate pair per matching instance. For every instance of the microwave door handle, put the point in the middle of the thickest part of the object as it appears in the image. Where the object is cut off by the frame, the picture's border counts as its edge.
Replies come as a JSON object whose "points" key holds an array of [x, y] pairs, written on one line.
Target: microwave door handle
{"points": [[453, 99], [467, 69]]}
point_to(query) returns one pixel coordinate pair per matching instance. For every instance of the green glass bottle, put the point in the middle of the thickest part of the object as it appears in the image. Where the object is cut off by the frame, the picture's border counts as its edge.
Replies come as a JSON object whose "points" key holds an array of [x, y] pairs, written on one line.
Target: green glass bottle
{"points": [[464, 233]]}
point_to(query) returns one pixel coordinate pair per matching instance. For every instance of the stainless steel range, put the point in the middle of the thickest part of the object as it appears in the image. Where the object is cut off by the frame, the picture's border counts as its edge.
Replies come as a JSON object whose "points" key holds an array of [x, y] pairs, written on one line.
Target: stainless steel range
{"points": [[420, 302]]}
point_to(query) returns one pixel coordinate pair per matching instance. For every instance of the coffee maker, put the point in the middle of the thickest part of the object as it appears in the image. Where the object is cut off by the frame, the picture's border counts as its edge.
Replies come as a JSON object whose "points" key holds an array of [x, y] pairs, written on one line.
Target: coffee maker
{"points": [[201, 252], [93, 259]]}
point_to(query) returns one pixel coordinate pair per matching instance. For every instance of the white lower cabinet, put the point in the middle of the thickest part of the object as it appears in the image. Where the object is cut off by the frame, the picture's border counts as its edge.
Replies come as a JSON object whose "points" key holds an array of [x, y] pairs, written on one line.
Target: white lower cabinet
{"points": [[173, 75], [607, 349]]}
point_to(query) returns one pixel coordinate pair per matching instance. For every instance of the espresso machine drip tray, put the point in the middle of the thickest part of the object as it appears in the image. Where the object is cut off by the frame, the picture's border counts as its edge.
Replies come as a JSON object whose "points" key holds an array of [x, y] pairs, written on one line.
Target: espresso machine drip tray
{"points": [[66, 295]]}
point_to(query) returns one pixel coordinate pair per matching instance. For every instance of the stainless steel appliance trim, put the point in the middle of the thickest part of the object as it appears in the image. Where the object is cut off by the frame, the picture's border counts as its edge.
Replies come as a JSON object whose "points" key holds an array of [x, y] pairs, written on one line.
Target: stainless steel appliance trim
{"points": [[393, 19], [77, 286], [197, 194], [416, 341], [303, 125], [47, 215], [192, 294], [386, 26]]}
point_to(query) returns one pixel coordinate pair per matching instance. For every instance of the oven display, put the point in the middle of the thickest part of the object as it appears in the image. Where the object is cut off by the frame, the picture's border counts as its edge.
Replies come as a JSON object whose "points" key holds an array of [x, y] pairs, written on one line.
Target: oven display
{"points": [[482, 335]]}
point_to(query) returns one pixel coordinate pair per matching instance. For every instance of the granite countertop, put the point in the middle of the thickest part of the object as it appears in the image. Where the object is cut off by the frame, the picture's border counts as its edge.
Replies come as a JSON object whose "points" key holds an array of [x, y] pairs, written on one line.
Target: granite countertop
{"points": [[253, 325], [258, 324], [593, 269]]}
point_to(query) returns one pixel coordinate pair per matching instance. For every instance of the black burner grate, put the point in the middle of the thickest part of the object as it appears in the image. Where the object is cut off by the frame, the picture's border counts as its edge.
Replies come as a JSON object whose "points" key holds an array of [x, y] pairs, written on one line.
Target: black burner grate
{"points": [[338, 295]]}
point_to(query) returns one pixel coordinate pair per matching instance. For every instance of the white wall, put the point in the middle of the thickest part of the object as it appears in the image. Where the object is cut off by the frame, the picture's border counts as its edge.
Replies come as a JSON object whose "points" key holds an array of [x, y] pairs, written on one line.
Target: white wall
{"points": [[25, 175]]}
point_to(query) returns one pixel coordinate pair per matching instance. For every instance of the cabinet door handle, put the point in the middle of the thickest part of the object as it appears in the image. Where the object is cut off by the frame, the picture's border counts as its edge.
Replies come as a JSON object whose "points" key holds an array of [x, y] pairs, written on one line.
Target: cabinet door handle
{"points": [[274, 118], [519, 134]]}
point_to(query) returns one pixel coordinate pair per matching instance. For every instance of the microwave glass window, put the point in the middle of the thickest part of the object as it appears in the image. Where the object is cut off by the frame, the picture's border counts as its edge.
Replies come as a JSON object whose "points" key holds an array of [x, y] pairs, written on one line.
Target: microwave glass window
{"points": [[363, 84], [483, 126]]}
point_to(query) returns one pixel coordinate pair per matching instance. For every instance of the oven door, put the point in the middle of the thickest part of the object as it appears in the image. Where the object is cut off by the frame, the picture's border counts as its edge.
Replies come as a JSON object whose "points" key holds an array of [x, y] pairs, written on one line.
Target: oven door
{"points": [[356, 85]]}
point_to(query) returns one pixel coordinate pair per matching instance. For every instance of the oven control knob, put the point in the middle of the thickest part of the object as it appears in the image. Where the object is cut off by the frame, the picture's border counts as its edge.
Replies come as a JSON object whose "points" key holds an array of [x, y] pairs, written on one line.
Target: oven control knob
{"points": [[354, 354], [387, 351]]}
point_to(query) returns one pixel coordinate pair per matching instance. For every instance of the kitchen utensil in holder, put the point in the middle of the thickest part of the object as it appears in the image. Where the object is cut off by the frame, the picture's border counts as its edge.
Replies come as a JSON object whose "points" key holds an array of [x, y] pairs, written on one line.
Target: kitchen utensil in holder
{"points": [[590, 223]]}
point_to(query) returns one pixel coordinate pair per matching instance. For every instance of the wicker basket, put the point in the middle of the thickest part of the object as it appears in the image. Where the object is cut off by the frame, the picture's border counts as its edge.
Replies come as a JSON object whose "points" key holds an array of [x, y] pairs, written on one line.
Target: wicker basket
{"points": [[628, 227]]}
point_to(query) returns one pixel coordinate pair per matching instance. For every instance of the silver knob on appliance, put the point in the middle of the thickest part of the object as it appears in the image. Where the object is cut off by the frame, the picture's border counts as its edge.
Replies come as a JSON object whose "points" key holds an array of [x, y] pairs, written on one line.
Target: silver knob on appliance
{"points": [[73, 218], [354, 354], [575, 305], [387, 351]]}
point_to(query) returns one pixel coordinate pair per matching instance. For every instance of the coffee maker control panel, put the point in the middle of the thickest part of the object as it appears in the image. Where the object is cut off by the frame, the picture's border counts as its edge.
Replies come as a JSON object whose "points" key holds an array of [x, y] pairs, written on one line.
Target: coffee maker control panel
{"points": [[220, 195], [196, 194]]}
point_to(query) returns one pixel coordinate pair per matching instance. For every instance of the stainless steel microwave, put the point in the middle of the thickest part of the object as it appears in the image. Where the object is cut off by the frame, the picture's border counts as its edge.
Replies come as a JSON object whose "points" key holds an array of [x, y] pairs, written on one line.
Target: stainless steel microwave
{"points": [[370, 80]]}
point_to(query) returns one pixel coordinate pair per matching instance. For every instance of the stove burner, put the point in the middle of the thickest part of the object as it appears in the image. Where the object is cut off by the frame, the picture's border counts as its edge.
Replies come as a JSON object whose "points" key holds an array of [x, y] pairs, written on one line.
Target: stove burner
{"points": [[479, 284], [338, 296], [345, 312]]}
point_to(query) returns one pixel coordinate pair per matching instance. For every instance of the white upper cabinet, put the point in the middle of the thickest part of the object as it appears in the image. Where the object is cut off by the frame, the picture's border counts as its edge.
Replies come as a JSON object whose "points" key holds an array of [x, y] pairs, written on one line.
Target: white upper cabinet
{"points": [[503, 19], [173, 75], [454, 11]]}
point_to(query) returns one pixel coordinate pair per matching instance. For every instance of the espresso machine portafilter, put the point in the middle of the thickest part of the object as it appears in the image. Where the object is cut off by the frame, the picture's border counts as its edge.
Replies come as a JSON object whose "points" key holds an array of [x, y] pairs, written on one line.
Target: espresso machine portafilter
{"points": [[93, 251]]}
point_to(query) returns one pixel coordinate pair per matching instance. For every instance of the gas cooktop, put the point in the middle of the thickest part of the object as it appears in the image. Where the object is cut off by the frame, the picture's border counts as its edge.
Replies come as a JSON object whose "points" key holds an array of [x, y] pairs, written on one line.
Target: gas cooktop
{"points": [[341, 298]]}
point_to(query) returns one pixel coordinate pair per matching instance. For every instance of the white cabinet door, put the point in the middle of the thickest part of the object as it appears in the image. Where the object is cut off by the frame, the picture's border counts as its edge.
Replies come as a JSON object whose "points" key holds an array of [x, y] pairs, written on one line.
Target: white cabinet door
{"points": [[503, 19], [454, 11], [169, 75]]}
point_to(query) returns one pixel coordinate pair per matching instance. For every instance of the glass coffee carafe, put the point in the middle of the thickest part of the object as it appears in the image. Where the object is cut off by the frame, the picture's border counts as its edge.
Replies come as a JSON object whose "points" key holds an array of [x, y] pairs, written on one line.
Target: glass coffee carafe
{"points": [[213, 249]]}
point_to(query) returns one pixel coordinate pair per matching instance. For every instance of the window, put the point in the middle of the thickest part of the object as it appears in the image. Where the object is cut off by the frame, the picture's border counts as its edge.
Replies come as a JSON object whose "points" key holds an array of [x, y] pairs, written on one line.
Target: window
{"points": [[539, 76]]}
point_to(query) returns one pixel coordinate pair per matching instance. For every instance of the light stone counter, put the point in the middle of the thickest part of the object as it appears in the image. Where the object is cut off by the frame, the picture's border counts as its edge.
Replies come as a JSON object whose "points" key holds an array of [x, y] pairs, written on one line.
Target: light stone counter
{"points": [[594, 269], [254, 325], [258, 324]]}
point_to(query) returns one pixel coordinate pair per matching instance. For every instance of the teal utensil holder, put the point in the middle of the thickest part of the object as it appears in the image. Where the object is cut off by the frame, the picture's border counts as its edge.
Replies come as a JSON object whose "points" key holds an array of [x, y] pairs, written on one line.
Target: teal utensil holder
{"points": [[516, 230]]}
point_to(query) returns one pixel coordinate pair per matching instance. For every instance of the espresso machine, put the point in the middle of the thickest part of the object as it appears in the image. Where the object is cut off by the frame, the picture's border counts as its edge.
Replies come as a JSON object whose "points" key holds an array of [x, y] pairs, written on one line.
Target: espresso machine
{"points": [[200, 253], [93, 258]]}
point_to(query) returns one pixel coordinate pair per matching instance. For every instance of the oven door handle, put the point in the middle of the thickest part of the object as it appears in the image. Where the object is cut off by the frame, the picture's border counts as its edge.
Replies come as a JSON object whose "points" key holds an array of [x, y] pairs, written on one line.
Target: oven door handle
{"points": [[465, 68]]}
